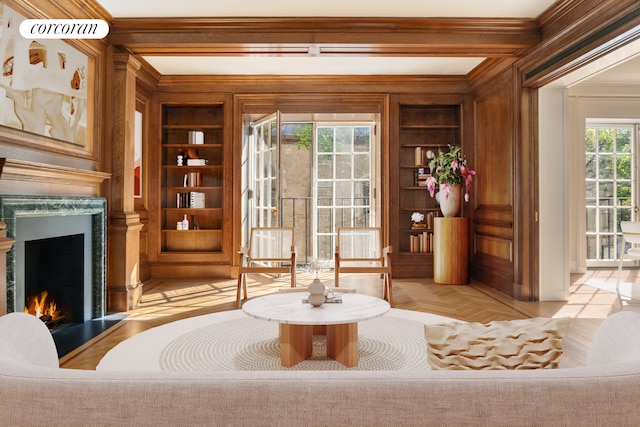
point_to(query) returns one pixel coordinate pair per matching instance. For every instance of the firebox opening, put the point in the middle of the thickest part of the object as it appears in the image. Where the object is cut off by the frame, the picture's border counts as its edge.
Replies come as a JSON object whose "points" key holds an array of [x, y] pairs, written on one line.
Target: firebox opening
{"points": [[54, 279]]}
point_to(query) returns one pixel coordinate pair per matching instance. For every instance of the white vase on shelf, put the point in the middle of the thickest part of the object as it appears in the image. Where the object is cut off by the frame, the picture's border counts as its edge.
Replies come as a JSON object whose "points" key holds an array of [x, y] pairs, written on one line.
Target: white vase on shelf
{"points": [[450, 201]]}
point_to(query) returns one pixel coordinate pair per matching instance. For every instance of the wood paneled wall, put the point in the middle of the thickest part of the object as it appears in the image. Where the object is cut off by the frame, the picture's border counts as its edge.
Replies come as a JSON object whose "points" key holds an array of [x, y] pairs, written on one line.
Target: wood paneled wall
{"points": [[492, 242], [499, 133]]}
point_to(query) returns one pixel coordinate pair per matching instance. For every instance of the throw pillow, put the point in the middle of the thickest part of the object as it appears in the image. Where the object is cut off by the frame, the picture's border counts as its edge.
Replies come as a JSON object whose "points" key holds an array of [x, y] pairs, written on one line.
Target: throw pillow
{"points": [[512, 344]]}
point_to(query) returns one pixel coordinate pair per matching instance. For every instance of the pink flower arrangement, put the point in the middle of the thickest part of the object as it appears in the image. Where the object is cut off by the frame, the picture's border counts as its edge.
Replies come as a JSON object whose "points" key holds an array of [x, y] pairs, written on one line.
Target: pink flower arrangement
{"points": [[449, 168]]}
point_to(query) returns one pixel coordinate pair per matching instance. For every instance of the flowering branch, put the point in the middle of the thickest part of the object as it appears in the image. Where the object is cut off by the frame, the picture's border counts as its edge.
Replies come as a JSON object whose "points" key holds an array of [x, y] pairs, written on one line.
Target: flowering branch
{"points": [[449, 168]]}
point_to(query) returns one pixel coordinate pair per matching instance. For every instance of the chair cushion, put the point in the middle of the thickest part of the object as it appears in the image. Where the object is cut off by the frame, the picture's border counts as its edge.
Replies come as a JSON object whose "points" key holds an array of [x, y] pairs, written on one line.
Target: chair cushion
{"points": [[26, 339], [514, 344]]}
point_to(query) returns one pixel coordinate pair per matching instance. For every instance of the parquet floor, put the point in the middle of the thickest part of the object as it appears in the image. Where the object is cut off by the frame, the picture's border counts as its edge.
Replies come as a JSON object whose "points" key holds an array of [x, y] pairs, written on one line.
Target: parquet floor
{"points": [[166, 301]]}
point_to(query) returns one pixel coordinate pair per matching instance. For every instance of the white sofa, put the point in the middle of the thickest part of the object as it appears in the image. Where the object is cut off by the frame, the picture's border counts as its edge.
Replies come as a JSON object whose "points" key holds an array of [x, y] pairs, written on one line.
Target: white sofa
{"points": [[35, 391]]}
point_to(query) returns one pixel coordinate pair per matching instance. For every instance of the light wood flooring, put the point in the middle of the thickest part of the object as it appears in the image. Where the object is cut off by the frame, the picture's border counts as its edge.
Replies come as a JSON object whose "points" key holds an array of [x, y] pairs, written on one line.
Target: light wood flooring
{"points": [[166, 301]]}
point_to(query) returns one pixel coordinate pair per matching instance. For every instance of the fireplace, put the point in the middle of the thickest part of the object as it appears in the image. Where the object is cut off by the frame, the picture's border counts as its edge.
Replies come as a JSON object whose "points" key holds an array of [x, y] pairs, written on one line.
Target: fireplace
{"points": [[54, 279], [59, 253]]}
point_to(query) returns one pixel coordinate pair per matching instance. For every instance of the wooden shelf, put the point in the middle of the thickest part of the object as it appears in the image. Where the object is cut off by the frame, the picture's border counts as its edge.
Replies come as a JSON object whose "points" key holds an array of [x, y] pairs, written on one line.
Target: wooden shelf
{"points": [[416, 122], [177, 123]]}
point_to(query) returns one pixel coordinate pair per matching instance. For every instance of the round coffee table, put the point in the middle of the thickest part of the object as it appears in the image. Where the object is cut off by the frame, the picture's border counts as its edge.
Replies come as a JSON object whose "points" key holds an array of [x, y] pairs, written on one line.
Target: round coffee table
{"points": [[297, 321]]}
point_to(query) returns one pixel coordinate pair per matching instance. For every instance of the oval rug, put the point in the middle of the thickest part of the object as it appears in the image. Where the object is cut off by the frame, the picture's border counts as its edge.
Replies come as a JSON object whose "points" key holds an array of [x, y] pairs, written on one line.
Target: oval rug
{"points": [[237, 342]]}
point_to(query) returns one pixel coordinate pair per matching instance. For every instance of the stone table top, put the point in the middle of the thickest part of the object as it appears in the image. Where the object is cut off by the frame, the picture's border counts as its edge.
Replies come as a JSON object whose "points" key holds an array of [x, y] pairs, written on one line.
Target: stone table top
{"points": [[289, 308]]}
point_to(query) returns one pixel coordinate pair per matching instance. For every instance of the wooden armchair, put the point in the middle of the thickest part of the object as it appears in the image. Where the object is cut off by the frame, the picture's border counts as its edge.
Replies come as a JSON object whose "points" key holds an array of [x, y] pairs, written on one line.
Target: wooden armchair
{"points": [[271, 250], [630, 234], [359, 250]]}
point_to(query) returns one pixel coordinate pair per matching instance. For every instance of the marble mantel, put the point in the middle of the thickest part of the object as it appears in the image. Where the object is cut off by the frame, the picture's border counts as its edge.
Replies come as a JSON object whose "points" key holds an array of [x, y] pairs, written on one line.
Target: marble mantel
{"points": [[14, 206]]}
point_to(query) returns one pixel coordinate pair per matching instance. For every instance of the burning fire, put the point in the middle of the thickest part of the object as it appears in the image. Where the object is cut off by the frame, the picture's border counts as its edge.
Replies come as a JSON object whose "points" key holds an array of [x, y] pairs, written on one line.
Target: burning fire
{"points": [[41, 308]]}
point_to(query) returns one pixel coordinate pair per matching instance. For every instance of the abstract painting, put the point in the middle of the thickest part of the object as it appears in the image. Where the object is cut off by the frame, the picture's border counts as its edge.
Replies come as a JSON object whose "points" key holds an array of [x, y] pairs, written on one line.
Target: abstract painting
{"points": [[43, 86]]}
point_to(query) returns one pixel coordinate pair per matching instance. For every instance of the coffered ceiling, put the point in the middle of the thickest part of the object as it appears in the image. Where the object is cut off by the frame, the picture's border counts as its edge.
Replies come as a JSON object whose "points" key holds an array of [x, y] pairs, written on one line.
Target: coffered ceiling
{"points": [[212, 37]]}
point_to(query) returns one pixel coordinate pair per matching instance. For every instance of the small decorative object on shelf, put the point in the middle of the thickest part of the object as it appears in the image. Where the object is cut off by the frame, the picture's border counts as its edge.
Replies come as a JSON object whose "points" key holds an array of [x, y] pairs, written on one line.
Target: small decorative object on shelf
{"points": [[449, 172], [421, 177], [185, 222], [430, 156], [416, 220]]}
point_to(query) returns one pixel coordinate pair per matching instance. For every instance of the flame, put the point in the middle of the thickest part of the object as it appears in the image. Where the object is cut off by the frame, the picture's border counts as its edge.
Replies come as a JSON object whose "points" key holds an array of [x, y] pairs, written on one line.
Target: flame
{"points": [[39, 306]]}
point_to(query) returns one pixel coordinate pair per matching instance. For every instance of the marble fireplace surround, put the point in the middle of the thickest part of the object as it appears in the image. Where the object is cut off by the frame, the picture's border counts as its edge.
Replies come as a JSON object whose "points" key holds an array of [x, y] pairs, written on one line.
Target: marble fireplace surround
{"points": [[14, 207]]}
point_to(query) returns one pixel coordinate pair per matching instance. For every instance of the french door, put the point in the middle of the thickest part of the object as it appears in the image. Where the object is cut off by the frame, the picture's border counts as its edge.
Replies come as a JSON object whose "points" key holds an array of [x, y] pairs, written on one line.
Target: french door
{"points": [[264, 174], [343, 190], [611, 188], [316, 187]]}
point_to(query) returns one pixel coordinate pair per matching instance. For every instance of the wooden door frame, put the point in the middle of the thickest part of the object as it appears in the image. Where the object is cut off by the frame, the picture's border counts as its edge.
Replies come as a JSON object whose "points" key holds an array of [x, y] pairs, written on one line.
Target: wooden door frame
{"points": [[307, 102]]}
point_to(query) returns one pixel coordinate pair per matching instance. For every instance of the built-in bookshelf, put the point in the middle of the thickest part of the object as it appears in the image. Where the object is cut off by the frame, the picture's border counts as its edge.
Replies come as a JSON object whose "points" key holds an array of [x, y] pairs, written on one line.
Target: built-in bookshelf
{"points": [[419, 129], [192, 178]]}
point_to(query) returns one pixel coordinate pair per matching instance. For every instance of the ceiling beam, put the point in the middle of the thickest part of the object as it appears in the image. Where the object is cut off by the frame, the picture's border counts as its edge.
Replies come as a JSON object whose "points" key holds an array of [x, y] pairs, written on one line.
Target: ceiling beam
{"points": [[332, 36]]}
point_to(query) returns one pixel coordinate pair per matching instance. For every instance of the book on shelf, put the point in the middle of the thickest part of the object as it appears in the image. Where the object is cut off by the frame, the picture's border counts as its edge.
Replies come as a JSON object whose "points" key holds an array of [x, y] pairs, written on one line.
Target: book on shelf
{"points": [[194, 179], [419, 156], [196, 199], [421, 177], [196, 137], [190, 199], [196, 162], [421, 242]]}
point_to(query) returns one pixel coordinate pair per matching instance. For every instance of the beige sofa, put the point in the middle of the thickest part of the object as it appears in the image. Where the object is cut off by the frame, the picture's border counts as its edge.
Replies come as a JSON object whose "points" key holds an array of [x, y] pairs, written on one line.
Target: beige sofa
{"points": [[34, 391]]}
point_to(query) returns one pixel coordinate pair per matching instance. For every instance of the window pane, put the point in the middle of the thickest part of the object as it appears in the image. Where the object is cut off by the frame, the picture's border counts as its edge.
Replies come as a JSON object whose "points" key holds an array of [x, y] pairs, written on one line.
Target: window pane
{"points": [[590, 140], [591, 220], [623, 141], [590, 166], [325, 166], [361, 166], [624, 194], [343, 191], [325, 193], [343, 166], [623, 167], [324, 220], [325, 140], [606, 193], [606, 167], [591, 193], [361, 218], [362, 139], [325, 247], [623, 215], [605, 140], [344, 139], [592, 247], [361, 193], [607, 220], [343, 217], [607, 249]]}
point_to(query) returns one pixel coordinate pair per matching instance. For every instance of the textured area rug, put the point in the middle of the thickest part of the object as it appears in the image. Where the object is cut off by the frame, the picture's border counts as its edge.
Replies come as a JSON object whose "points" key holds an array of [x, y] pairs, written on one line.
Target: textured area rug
{"points": [[232, 341]]}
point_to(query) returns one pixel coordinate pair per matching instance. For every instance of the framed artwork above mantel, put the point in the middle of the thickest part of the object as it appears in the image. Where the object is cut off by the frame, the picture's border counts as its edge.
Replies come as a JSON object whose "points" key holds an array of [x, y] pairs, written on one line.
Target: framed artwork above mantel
{"points": [[47, 91]]}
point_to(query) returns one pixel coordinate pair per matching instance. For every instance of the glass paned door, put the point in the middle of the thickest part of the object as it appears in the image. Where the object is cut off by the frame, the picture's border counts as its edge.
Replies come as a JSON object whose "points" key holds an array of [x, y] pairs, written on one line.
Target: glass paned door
{"points": [[342, 185], [610, 189], [265, 172]]}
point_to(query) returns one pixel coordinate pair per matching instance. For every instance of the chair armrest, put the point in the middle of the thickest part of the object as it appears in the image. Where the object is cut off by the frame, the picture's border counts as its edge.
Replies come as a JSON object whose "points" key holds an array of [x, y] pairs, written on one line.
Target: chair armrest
{"points": [[386, 254]]}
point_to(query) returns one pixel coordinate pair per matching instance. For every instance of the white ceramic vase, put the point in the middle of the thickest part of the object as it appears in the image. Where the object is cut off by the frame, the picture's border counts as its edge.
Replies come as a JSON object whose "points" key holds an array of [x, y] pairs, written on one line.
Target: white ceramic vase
{"points": [[316, 293], [450, 204]]}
